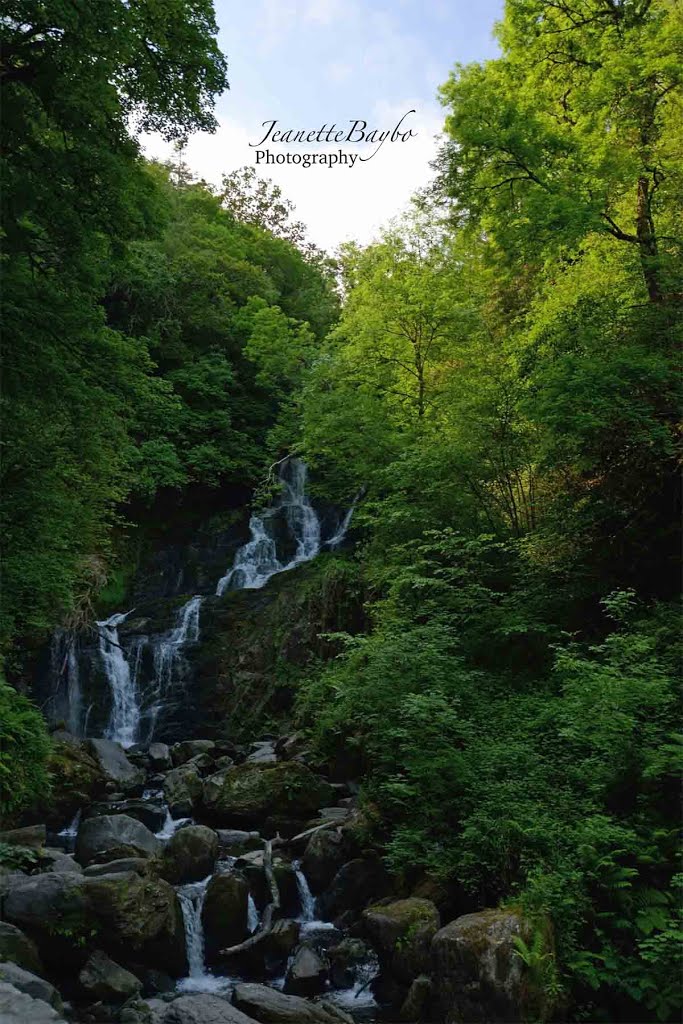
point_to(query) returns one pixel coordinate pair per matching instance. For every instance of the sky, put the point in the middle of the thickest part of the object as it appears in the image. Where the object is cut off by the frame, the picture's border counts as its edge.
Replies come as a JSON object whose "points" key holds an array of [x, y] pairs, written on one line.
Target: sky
{"points": [[309, 63]]}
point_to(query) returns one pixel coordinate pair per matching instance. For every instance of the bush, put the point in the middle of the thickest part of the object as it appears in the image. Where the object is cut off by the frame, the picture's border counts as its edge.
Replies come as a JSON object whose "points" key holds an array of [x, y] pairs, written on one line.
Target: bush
{"points": [[24, 749]]}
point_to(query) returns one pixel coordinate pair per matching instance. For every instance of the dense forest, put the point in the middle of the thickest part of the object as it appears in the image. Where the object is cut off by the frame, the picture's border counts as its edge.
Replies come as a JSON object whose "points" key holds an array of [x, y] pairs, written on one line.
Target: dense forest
{"points": [[497, 380]]}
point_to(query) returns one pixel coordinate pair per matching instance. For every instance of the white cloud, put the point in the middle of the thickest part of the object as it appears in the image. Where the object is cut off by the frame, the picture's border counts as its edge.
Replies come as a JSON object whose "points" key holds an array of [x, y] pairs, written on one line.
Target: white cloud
{"points": [[336, 203]]}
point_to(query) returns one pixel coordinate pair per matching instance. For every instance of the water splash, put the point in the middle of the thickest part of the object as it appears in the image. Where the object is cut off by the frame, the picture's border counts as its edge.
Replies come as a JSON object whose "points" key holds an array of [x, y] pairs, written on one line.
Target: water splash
{"points": [[340, 536], [306, 897], [125, 712], [258, 560]]}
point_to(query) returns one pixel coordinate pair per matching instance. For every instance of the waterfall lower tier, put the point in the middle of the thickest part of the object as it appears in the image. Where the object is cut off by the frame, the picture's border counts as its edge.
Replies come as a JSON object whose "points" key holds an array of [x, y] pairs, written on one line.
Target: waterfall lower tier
{"points": [[125, 711], [199, 979]]}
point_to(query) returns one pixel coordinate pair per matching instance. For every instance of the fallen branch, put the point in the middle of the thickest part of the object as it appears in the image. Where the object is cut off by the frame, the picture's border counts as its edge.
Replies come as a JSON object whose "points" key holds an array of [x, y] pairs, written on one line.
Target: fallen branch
{"points": [[266, 924]]}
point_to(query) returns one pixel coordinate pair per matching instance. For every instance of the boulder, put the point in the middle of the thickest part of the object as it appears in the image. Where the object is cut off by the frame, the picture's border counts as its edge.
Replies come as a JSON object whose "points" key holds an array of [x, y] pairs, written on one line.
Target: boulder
{"points": [[235, 843], [182, 787], [478, 975], [159, 757], [112, 867], [77, 779], [283, 938], [262, 753], [248, 793], [355, 884], [114, 764], [33, 836], [307, 973], [189, 855], [323, 857], [402, 933], [187, 749], [138, 919], [225, 912], [272, 1007], [151, 814], [346, 959], [103, 979], [18, 948], [203, 1009], [18, 1008], [416, 1003], [31, 984], [57, 860], [53, 909], [114, 836]]}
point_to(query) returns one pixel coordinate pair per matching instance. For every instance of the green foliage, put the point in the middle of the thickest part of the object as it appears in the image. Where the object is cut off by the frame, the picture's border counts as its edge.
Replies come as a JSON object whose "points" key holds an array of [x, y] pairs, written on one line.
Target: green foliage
{"points": [[18, 858], [24, 750]]}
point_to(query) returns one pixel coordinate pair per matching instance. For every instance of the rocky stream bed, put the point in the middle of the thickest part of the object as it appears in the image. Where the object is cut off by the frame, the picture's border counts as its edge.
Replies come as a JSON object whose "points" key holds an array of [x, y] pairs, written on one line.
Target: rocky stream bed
{"points": [[209, 883]]}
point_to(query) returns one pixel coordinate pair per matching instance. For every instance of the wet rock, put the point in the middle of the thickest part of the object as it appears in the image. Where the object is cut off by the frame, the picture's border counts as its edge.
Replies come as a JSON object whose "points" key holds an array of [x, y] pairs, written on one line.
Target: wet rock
{"points": [[104, 979], [33, 836], [114, 764], [153, 981], [114, 836], [182, 788], [187, 749], [323, 857], [249, 793], [225, 912], [402, 933], [346, 958], [18, 948], [203, 1009], [151, 814], [113, 867], [18, 1008], [57, 860], [189, 856], [355, 884], [307, 974], [477, 973], [262, 753], [283, 938], [273, 1007], [47, 904], [203, 763], [235, 843], [224, 762], [138, 919], [31, 984], [159, 756], [416, 1003]]}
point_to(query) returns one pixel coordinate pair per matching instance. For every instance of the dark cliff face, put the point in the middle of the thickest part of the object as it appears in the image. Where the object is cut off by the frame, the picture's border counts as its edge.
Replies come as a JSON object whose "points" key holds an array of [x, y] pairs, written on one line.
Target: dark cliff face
{"points": [[253, 645]]}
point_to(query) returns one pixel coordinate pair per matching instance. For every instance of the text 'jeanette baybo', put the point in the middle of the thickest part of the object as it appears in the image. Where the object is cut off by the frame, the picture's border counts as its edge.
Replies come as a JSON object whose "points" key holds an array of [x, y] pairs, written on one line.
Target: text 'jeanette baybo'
{"points": [[358, 133]]}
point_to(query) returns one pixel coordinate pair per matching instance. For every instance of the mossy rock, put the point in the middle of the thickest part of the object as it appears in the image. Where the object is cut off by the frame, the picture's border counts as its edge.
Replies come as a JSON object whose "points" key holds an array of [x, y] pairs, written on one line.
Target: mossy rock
{"points": [[139, 919], [247, 794], [77, 780], [401, 932]]}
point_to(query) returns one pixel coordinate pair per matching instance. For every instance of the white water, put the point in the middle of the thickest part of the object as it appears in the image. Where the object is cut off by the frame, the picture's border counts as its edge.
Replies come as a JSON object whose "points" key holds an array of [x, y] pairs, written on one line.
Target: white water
{"points": [[71, 830], [125, 712], [168, 656], [199, 978], [170, 825], [343, 527], [257, 560], [252, 915]]}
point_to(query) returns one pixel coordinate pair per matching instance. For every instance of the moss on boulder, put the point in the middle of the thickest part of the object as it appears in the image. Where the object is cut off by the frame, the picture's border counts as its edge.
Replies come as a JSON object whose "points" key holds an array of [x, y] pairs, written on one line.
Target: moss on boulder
{"points": [[248, 793]]}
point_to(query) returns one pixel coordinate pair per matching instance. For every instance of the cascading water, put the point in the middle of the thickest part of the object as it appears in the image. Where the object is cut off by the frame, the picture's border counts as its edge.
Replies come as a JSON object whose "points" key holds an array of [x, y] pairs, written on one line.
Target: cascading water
{"points": [[168, 657], [306, 897], [252, 915], [125, 711], [343, 528], [199, 978], [257, 560]]}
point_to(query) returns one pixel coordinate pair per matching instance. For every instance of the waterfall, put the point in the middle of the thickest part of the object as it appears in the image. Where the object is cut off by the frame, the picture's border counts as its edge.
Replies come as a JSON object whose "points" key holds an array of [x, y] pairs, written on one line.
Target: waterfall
{"points": [[168, 652], [343, 527], [306, 897], [199, 978], [125, 712], [257, 560], [252, 915]]}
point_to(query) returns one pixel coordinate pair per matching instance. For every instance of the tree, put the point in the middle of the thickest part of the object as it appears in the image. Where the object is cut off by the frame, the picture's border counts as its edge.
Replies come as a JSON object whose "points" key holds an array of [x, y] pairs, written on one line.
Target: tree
{"points": [[575, 129]]}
